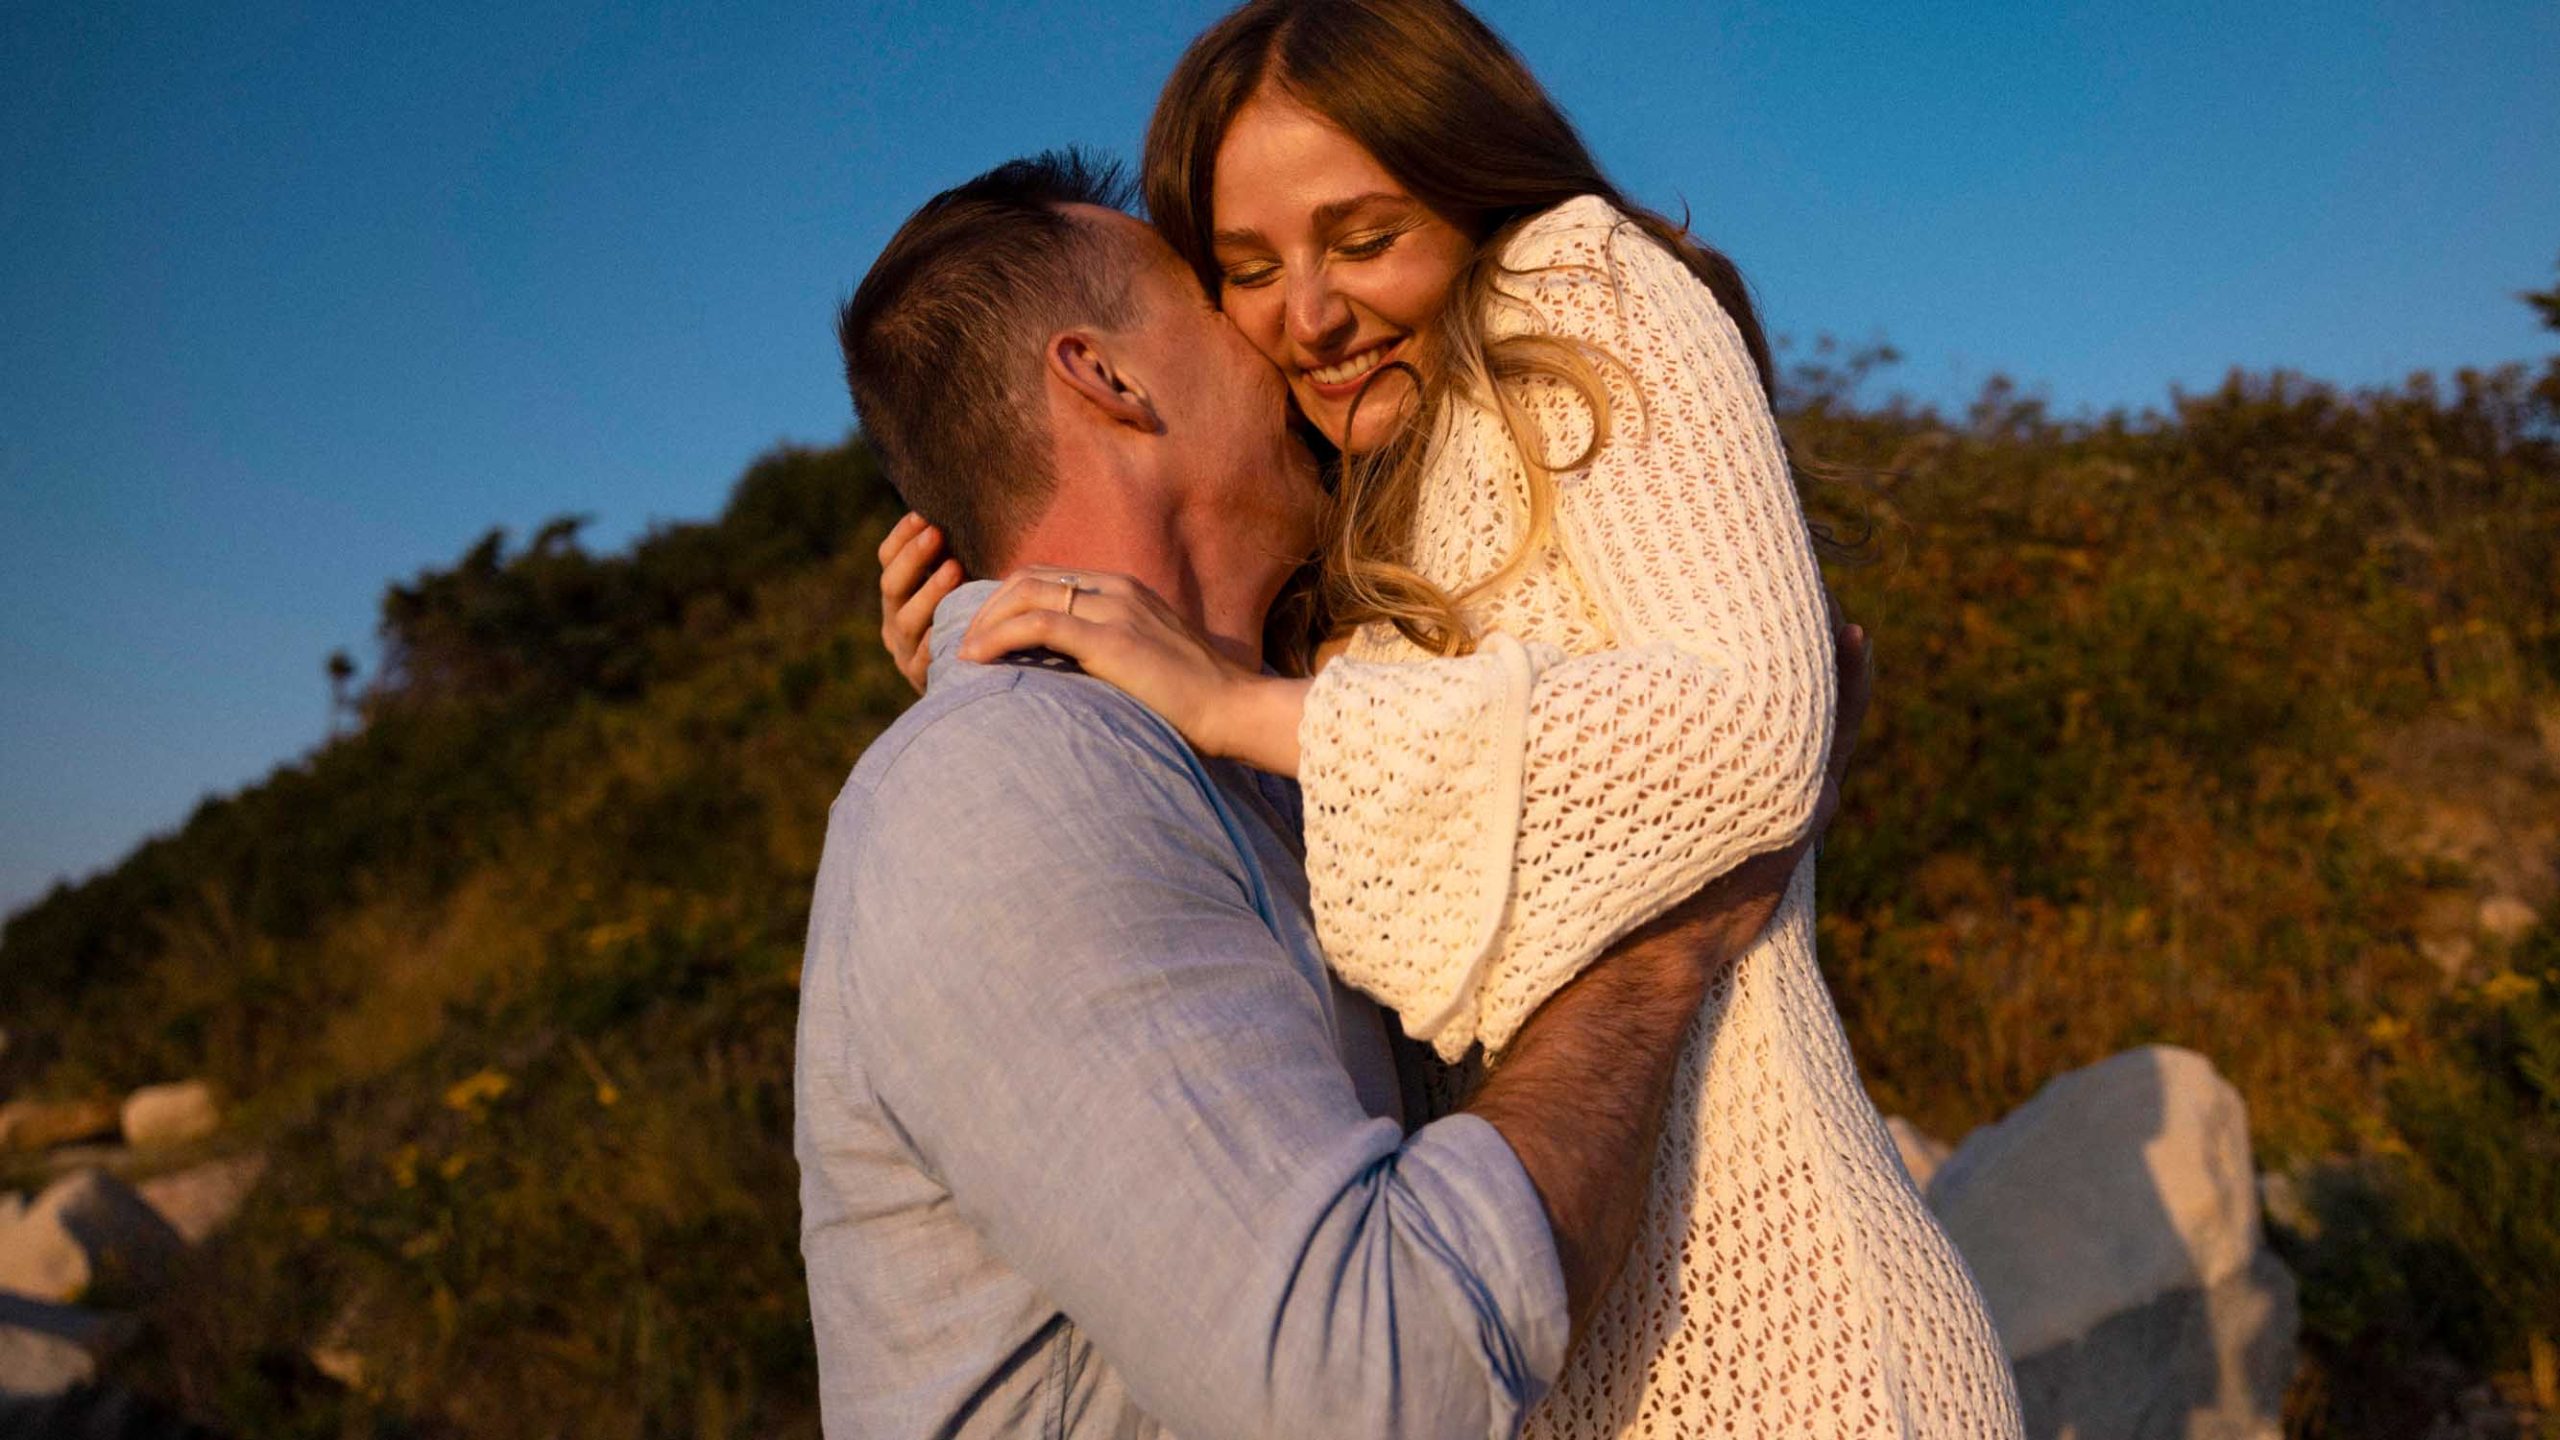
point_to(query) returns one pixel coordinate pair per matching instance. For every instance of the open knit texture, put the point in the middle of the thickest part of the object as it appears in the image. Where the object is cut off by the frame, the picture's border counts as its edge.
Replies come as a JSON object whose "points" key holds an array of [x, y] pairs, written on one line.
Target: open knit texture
{"points": [[1651, 705]]}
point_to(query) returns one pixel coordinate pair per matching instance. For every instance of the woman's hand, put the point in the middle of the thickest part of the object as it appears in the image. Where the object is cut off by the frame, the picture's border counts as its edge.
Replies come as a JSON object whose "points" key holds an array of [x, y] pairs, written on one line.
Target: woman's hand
{"points": [[1123, 632], [911, 584]]}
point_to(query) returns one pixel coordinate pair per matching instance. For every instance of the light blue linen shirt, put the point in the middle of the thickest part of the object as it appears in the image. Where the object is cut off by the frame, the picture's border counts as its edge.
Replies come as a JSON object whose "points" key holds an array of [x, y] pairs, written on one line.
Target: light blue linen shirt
{"points": [[1091, 1143]]}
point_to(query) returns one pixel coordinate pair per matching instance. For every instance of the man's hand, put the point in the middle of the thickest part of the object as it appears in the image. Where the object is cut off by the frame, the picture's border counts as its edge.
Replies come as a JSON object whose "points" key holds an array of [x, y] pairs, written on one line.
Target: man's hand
{"points": [[1579, 1095]]}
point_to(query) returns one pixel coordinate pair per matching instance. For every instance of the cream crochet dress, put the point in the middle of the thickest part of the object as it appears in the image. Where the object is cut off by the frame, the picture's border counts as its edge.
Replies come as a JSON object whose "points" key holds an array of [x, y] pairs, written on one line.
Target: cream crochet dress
{"points": [[1651, 704]]}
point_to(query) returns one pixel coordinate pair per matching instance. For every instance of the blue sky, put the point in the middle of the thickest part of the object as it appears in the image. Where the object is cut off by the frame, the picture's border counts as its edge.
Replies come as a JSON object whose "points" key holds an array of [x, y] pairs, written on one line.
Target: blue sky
{"points": [[298, 300]]}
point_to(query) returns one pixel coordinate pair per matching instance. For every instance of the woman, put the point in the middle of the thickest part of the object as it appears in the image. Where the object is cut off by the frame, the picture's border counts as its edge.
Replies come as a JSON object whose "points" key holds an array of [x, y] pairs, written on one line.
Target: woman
{"points": [[1583, 667]]}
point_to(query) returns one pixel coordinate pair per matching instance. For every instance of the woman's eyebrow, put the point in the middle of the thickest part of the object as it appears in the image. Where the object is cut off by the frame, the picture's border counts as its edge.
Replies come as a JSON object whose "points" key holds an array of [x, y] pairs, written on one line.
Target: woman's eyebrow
{"points": [[1333, 212], [1326, 216]]}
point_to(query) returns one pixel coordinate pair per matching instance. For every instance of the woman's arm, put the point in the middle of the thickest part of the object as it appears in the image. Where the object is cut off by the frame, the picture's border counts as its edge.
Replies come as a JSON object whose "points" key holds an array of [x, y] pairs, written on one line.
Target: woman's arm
{"points": [[1461, 878]]}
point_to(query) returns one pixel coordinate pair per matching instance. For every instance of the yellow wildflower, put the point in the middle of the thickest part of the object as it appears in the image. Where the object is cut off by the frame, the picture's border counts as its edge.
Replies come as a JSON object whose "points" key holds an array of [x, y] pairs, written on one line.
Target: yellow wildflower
{"points": [[469, 1095], [2506, 987]]}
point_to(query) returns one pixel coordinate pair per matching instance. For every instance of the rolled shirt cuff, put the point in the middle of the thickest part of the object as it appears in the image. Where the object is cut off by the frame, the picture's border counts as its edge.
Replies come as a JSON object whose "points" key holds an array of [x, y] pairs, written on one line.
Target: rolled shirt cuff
{"points": [[1460, 1166]]}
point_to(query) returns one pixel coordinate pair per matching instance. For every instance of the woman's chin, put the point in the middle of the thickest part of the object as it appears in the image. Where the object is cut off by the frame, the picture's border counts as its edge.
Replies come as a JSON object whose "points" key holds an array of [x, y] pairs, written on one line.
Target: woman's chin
{"points": [[1371, 432], [1372, 425]]}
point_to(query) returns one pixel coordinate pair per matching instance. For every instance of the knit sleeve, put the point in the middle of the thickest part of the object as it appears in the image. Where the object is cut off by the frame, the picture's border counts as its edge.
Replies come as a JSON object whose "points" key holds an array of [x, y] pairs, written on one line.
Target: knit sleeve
{"points": [[1479, 829]]}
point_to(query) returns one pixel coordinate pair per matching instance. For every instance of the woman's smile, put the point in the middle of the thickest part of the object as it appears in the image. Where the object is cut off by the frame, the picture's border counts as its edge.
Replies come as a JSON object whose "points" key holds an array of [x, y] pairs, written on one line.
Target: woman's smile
{"points": [[1340, 380]]}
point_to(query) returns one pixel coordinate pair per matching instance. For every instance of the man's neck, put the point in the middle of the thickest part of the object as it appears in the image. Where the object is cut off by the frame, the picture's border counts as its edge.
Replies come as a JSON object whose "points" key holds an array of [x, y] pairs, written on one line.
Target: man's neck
{"points": [[1222, 583]]}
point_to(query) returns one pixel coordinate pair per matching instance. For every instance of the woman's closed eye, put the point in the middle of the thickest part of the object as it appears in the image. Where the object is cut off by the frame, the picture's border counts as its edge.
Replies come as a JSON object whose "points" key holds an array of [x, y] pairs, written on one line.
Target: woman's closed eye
{"points": [[1368, 246], [1250, 275]]}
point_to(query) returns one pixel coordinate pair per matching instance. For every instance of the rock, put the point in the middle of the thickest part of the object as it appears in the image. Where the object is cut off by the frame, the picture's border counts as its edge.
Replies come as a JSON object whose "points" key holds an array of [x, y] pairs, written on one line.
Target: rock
{"points": [[2113, 1224], [43, 1124], [34, 1363], [48, 1349], [170, 1114], [86, 1231], [202, 1198], [1922, 1153], [2192, 1364], [2507, 919], [2114, 1185]]}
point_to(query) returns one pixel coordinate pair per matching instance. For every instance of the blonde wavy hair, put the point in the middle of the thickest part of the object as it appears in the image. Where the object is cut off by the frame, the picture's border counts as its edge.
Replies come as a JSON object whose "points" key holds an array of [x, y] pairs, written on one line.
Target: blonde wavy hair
{"points": [[1454, 115]]}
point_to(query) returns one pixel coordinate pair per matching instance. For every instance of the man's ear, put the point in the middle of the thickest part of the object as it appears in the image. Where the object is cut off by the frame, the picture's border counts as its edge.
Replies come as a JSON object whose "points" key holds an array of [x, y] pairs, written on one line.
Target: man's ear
{"points": [[1090, 372]]}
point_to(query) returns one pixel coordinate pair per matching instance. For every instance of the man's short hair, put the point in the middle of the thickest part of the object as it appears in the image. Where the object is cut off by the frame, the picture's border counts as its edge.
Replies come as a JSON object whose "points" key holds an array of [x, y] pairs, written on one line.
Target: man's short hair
{"points": [[943, 339]]}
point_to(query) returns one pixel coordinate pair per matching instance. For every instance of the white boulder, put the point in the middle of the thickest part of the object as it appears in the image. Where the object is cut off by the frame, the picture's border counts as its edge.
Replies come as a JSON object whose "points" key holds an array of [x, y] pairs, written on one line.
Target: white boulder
{"points": [[86, 1230], [48, 1349], [170, 1114], [2113, 1224], [1922, 1153], [34, 1363], [2209, 1364], [202, 1198], [2114, 1185]]}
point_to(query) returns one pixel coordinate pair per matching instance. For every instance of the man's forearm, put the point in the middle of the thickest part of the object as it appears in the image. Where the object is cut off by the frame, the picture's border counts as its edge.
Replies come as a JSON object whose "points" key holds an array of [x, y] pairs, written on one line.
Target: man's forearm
{"points": [[1579, 1096]]}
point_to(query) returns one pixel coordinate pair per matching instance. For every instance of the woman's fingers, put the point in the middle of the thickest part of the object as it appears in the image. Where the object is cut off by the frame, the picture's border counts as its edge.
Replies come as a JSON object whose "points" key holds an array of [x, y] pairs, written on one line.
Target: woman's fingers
{"points": [[904, 567], [913, 627], [1078, 592], [1016, 610], [1083, 582], [1076, 636], [915, 617], [1014, 597], [908, 594], [899, 534]]}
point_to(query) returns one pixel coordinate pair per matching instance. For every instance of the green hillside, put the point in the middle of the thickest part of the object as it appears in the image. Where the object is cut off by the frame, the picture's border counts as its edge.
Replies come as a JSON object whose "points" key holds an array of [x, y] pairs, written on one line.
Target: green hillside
{"points": [[2215, 726]]}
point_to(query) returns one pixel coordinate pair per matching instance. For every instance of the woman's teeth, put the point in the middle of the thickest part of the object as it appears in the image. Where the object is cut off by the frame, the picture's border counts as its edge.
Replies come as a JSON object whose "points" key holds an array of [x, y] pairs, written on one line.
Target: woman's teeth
{"points": [[1351, 369]]}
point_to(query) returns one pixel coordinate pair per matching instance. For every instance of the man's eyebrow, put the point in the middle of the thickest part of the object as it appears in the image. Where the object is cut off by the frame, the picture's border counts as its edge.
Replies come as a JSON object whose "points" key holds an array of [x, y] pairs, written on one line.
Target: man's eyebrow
{"points": [[1326, 216]]}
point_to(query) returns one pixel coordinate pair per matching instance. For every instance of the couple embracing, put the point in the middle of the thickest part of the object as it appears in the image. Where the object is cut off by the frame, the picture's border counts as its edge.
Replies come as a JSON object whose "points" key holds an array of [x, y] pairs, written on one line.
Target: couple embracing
{"points": [[1330, 954]]}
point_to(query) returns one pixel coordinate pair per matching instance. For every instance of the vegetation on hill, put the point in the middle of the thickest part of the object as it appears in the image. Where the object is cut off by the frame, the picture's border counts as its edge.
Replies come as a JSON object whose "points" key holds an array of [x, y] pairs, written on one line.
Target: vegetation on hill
{"points": [[2212, 726]]}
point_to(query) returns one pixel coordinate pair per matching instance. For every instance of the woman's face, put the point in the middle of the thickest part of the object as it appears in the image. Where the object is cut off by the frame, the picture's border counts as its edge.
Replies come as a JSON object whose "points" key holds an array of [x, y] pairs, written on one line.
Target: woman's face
{"points": [[1328, 266]]}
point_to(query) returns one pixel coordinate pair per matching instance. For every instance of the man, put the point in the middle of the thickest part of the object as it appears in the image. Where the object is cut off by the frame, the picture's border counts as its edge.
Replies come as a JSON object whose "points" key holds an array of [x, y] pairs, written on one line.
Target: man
{"points": [[1091, 1143]]}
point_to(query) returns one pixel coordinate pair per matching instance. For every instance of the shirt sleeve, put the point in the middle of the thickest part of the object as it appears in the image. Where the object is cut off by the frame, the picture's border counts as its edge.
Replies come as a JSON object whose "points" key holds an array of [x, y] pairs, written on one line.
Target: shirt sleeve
{"points": [[1478, 829], [1070, 1006]]}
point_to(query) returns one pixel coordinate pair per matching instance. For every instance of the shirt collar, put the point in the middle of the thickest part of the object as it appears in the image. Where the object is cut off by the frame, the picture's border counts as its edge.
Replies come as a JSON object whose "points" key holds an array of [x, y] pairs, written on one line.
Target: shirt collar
{"points": [[951, 621]]}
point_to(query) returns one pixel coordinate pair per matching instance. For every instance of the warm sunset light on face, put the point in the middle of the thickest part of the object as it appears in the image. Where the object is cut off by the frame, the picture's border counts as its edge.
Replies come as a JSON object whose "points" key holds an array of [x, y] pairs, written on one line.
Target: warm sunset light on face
{"points": [[1331, 269]]}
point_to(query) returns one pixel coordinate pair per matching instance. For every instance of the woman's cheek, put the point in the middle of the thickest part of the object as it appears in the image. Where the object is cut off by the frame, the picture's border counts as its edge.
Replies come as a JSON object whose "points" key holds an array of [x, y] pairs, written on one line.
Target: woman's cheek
{"points": [[1256, 318]]}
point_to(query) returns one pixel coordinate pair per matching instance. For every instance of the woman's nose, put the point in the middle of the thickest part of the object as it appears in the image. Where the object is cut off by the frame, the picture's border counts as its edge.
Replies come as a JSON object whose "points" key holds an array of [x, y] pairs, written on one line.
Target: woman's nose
{"points": [[1319, 316]]}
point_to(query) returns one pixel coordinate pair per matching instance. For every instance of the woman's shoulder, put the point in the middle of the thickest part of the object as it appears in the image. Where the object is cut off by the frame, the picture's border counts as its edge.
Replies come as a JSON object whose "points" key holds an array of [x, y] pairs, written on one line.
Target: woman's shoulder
{"points": [[1586, 227], [1573, 268], [1587, 244]]}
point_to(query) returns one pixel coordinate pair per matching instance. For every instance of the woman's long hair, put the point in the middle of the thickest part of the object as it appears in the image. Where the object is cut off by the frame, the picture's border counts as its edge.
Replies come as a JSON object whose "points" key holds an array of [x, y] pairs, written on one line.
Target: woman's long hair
{"points": [[1451, 112]]}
